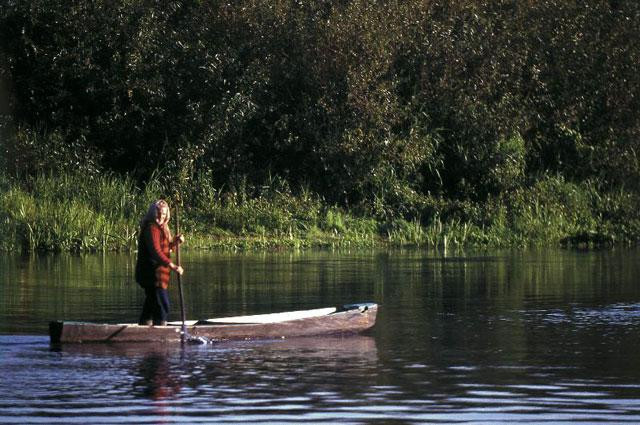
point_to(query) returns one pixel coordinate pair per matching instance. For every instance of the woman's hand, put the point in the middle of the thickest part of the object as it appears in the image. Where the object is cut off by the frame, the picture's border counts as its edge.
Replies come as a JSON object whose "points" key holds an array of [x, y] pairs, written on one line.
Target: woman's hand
{"points": [[178, 238], [176, 268]]}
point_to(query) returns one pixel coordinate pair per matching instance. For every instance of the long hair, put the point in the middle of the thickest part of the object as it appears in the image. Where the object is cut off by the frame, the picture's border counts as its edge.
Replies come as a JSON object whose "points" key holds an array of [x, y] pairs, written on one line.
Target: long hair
{"points": [[152, 216]]}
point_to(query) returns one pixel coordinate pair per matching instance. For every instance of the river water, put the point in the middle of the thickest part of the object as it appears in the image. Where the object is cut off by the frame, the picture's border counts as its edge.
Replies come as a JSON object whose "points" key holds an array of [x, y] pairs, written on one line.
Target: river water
{"points": [[544, 336]]}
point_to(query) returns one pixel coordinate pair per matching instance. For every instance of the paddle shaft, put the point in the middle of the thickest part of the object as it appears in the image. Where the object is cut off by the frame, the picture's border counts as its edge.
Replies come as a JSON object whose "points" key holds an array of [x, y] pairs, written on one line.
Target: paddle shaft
{"points": [[182, 312]]}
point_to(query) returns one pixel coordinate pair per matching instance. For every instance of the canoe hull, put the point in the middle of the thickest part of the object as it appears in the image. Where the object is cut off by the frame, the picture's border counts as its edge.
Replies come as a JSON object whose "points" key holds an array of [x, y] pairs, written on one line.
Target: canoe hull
{"points": [[356, 319]]}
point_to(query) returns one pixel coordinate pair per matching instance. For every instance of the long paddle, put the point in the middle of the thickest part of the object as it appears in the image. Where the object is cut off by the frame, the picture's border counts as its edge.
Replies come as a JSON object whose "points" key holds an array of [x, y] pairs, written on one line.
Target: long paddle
{"points": [[183, 335]]}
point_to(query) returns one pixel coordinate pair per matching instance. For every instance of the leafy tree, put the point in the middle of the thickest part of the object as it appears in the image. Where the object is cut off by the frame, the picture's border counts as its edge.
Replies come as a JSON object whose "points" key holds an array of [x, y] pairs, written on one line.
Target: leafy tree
{"points": [[386, 106]]}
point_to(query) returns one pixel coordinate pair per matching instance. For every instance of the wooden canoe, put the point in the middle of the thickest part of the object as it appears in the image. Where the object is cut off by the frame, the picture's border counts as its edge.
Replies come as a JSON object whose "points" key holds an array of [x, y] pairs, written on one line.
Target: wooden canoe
{"points": [[352, 318]]}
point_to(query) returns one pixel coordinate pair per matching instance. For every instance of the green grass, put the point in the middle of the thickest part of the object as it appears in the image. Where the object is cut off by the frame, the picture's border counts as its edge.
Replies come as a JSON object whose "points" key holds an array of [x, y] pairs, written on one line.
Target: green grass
{"points": [[72, 213], [75, 213]]}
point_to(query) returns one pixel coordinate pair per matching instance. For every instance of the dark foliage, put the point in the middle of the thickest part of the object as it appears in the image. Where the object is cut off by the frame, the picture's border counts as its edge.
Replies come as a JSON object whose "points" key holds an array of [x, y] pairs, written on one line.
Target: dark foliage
{"points": [[381, 105]]}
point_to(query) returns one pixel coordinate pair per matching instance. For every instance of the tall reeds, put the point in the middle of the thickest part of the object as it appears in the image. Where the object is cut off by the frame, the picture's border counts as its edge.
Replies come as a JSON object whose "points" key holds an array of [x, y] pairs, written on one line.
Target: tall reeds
{"points": [[101, 213], [72, 213]]}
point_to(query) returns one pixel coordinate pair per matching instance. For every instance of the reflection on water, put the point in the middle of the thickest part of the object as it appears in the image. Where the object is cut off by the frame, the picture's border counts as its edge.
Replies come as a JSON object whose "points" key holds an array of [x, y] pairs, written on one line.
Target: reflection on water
{"points": [[537, 337], [616, 314], [157, 381]]}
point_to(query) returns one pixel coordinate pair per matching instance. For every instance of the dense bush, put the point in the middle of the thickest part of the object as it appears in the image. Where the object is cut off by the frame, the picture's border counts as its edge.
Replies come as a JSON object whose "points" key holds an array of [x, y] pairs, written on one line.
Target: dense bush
{"points": [[386, 108]]}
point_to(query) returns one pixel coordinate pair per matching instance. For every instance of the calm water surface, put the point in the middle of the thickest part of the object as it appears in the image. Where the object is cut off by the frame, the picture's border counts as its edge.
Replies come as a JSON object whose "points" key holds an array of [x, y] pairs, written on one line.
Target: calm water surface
{"points": [[485, 337]]}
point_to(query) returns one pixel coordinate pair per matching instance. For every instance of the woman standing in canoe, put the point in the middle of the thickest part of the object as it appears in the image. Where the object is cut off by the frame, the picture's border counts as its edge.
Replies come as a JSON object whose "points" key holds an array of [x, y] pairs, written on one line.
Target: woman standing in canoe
{"points": [[154, 263]]}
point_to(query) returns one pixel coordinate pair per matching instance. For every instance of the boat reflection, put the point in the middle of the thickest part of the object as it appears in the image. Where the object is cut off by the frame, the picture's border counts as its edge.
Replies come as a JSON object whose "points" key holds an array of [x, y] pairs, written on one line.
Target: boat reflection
{"points": [[169, 373], [362, 346], [332, 345]]}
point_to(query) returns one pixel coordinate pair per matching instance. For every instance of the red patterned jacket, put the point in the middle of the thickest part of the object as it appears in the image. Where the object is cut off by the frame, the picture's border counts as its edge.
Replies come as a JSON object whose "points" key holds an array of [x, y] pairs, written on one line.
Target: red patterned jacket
{"points": [[152, 267]]}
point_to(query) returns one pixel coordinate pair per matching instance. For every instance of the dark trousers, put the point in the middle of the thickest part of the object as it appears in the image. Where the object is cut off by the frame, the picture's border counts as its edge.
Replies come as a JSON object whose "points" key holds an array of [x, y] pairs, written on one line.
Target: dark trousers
{"points": [[156, 306]]}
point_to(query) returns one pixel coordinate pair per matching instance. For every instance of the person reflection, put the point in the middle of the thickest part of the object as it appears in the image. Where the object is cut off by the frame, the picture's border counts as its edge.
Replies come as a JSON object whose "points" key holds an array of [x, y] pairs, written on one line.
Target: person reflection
{"points": [[156, 381]]}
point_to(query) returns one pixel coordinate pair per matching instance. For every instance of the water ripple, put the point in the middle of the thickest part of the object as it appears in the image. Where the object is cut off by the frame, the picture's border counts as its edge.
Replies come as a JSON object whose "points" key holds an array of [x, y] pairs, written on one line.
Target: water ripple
{"points": [[611, 315]]}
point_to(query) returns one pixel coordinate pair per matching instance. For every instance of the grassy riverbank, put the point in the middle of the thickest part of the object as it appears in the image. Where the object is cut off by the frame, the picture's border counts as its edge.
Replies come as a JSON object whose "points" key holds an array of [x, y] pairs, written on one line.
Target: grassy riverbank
{"points": [[77, 213], [336, 124]]}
